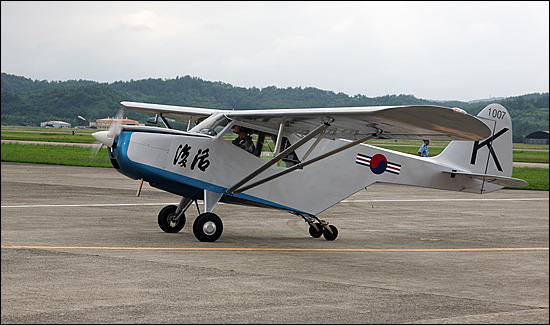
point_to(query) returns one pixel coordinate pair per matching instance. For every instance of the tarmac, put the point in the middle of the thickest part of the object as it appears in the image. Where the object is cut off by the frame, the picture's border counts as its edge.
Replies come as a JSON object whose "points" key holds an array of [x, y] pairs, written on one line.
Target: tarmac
{"points": [[78, 246]]}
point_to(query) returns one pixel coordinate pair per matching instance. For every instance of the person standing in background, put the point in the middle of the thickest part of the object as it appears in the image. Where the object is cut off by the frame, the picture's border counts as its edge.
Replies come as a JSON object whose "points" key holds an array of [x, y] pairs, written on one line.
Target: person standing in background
{"points": [[424, 151]]}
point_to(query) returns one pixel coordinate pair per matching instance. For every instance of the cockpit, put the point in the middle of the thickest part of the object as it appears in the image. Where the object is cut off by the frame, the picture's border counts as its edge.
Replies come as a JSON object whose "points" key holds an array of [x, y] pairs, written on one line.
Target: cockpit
{"points": [[264, 142]]}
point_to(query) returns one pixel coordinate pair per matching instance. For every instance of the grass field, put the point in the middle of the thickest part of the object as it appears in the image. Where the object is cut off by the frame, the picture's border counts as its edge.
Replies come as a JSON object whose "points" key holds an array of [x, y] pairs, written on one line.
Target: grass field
{"points": [[54, 155], [538, 178], [47, 134]]}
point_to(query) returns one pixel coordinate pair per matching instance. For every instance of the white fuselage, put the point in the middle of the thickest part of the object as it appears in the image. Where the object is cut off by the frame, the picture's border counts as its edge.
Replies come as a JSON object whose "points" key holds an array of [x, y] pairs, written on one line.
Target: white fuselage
{"points": [[187, 163]]}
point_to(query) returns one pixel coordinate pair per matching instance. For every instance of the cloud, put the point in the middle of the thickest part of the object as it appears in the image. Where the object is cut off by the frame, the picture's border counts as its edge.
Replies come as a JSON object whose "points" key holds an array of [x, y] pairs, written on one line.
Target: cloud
{"points": [[484, 29], [143, 20], [434, 50]]}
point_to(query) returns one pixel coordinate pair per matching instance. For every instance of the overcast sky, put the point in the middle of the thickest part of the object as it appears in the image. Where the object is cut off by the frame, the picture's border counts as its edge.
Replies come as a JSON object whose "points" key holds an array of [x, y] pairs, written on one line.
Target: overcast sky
{"points": [[432, 50]]}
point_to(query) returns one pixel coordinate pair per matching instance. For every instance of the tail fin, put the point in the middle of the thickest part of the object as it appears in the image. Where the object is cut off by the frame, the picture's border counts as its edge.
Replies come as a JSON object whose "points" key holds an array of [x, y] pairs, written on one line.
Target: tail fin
{"points": [[489, 157]]}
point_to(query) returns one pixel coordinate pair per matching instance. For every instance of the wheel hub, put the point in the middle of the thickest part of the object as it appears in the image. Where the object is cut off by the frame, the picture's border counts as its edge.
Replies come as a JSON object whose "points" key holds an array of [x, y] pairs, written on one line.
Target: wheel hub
{"points": [[172, 220], [209, 228]]}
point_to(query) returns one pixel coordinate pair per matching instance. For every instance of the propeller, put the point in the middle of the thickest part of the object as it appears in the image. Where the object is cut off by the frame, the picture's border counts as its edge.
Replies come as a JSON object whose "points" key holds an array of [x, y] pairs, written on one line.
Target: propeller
{"points": [[95, 149], [106, 138]]}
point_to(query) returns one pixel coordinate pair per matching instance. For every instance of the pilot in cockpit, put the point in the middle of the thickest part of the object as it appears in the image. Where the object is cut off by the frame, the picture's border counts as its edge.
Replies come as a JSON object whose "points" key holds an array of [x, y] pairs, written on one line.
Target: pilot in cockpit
{"points": [[243, 140]]}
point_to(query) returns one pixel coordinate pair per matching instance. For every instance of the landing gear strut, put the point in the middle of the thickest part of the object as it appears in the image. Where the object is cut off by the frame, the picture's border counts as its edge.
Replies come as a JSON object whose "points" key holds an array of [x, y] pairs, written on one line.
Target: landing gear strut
{"points": [[319, 227]]}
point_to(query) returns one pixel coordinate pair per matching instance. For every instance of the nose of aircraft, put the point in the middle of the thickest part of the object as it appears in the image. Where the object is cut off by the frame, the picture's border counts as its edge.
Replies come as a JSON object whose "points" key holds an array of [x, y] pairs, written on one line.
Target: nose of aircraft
{"points": [[104, 137]]}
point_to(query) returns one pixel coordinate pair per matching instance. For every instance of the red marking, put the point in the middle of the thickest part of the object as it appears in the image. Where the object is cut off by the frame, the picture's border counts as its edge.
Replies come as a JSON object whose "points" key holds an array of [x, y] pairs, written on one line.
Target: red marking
{"points": [[376, 159]]}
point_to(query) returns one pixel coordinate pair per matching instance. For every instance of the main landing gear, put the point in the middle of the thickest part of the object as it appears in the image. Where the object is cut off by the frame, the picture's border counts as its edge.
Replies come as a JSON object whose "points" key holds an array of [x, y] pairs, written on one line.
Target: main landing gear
{"points": [[208, 227]]}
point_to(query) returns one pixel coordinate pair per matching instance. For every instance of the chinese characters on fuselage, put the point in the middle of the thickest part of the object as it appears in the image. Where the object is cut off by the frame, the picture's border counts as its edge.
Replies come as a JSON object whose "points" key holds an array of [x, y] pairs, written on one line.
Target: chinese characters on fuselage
{"points": [[200, 159]]}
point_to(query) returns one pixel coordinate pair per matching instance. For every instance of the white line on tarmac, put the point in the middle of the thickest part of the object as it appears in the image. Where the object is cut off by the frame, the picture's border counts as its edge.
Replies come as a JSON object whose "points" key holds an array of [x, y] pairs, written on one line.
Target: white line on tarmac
{"points": [[344, 201], [446, 200], [83, 205]]}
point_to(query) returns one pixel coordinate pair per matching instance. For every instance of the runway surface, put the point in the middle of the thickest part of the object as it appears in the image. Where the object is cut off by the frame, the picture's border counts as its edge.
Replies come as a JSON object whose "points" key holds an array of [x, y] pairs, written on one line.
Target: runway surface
{"points": [[78, 246]]}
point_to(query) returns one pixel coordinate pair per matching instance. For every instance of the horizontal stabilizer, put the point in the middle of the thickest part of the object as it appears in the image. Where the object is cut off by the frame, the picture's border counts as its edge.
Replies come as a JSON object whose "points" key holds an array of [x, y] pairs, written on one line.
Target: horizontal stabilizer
{"points": [[493, 179]]}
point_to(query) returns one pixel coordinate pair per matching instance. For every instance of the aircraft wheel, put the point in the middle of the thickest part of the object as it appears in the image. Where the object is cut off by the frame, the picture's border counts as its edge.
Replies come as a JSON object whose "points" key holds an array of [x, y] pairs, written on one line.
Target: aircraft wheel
{"points": [[316, 233], [207, 227], [166, 219], [328, 235]]}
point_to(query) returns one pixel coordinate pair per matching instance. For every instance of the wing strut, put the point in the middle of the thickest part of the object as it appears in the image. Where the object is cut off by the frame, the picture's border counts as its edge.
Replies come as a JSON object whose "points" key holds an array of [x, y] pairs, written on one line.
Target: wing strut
{"points": [[311, 161], [278, 157], [319, 138], [279, 138], [164, 121]]}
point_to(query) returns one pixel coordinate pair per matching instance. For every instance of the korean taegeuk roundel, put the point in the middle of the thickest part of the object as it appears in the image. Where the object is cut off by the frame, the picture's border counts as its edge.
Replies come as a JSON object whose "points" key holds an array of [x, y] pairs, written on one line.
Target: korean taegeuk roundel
{"points": [[378, 164]]}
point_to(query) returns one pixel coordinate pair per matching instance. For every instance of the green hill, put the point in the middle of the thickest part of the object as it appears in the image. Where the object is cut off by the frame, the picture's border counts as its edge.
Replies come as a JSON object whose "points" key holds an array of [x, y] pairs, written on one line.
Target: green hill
{"points": [[28, 102]]}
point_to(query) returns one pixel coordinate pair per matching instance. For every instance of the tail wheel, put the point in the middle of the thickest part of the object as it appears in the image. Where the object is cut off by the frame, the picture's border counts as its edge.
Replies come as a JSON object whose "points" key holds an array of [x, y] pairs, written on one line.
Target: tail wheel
{"points": [[316, 233], [330, 235], [208, 227], [167, 219]]}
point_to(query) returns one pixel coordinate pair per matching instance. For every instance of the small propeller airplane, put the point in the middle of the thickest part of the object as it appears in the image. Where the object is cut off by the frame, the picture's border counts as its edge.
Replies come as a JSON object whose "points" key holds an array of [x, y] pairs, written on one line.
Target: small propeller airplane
{"points": [[319, 157]]}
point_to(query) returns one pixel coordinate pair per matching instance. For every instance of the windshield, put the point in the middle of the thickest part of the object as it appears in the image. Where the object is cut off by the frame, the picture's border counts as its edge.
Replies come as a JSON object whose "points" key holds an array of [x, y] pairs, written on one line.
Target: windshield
{"points": [[212, 125]]}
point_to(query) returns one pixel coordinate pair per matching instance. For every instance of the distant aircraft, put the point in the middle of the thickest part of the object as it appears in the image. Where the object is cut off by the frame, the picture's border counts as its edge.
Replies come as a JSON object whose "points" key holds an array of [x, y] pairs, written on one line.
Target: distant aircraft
{"points": [[319, 157]]}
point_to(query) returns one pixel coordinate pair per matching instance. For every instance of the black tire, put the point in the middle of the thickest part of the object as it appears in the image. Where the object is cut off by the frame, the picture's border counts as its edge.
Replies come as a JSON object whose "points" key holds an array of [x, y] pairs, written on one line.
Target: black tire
{"points": [[316, 233], [208, 227], [328, 235], [165, 219]]}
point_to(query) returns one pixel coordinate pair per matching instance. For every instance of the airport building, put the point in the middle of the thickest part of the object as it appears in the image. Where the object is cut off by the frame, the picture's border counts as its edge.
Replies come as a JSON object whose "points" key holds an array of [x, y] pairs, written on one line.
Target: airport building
{"points": [[537, 137], [55, 124], [104, 123]]}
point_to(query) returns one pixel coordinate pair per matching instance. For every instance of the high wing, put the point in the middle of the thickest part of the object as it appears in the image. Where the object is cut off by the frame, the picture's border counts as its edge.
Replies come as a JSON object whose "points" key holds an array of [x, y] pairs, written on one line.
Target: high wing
{"points": [[395, 122], [180, 113]]}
